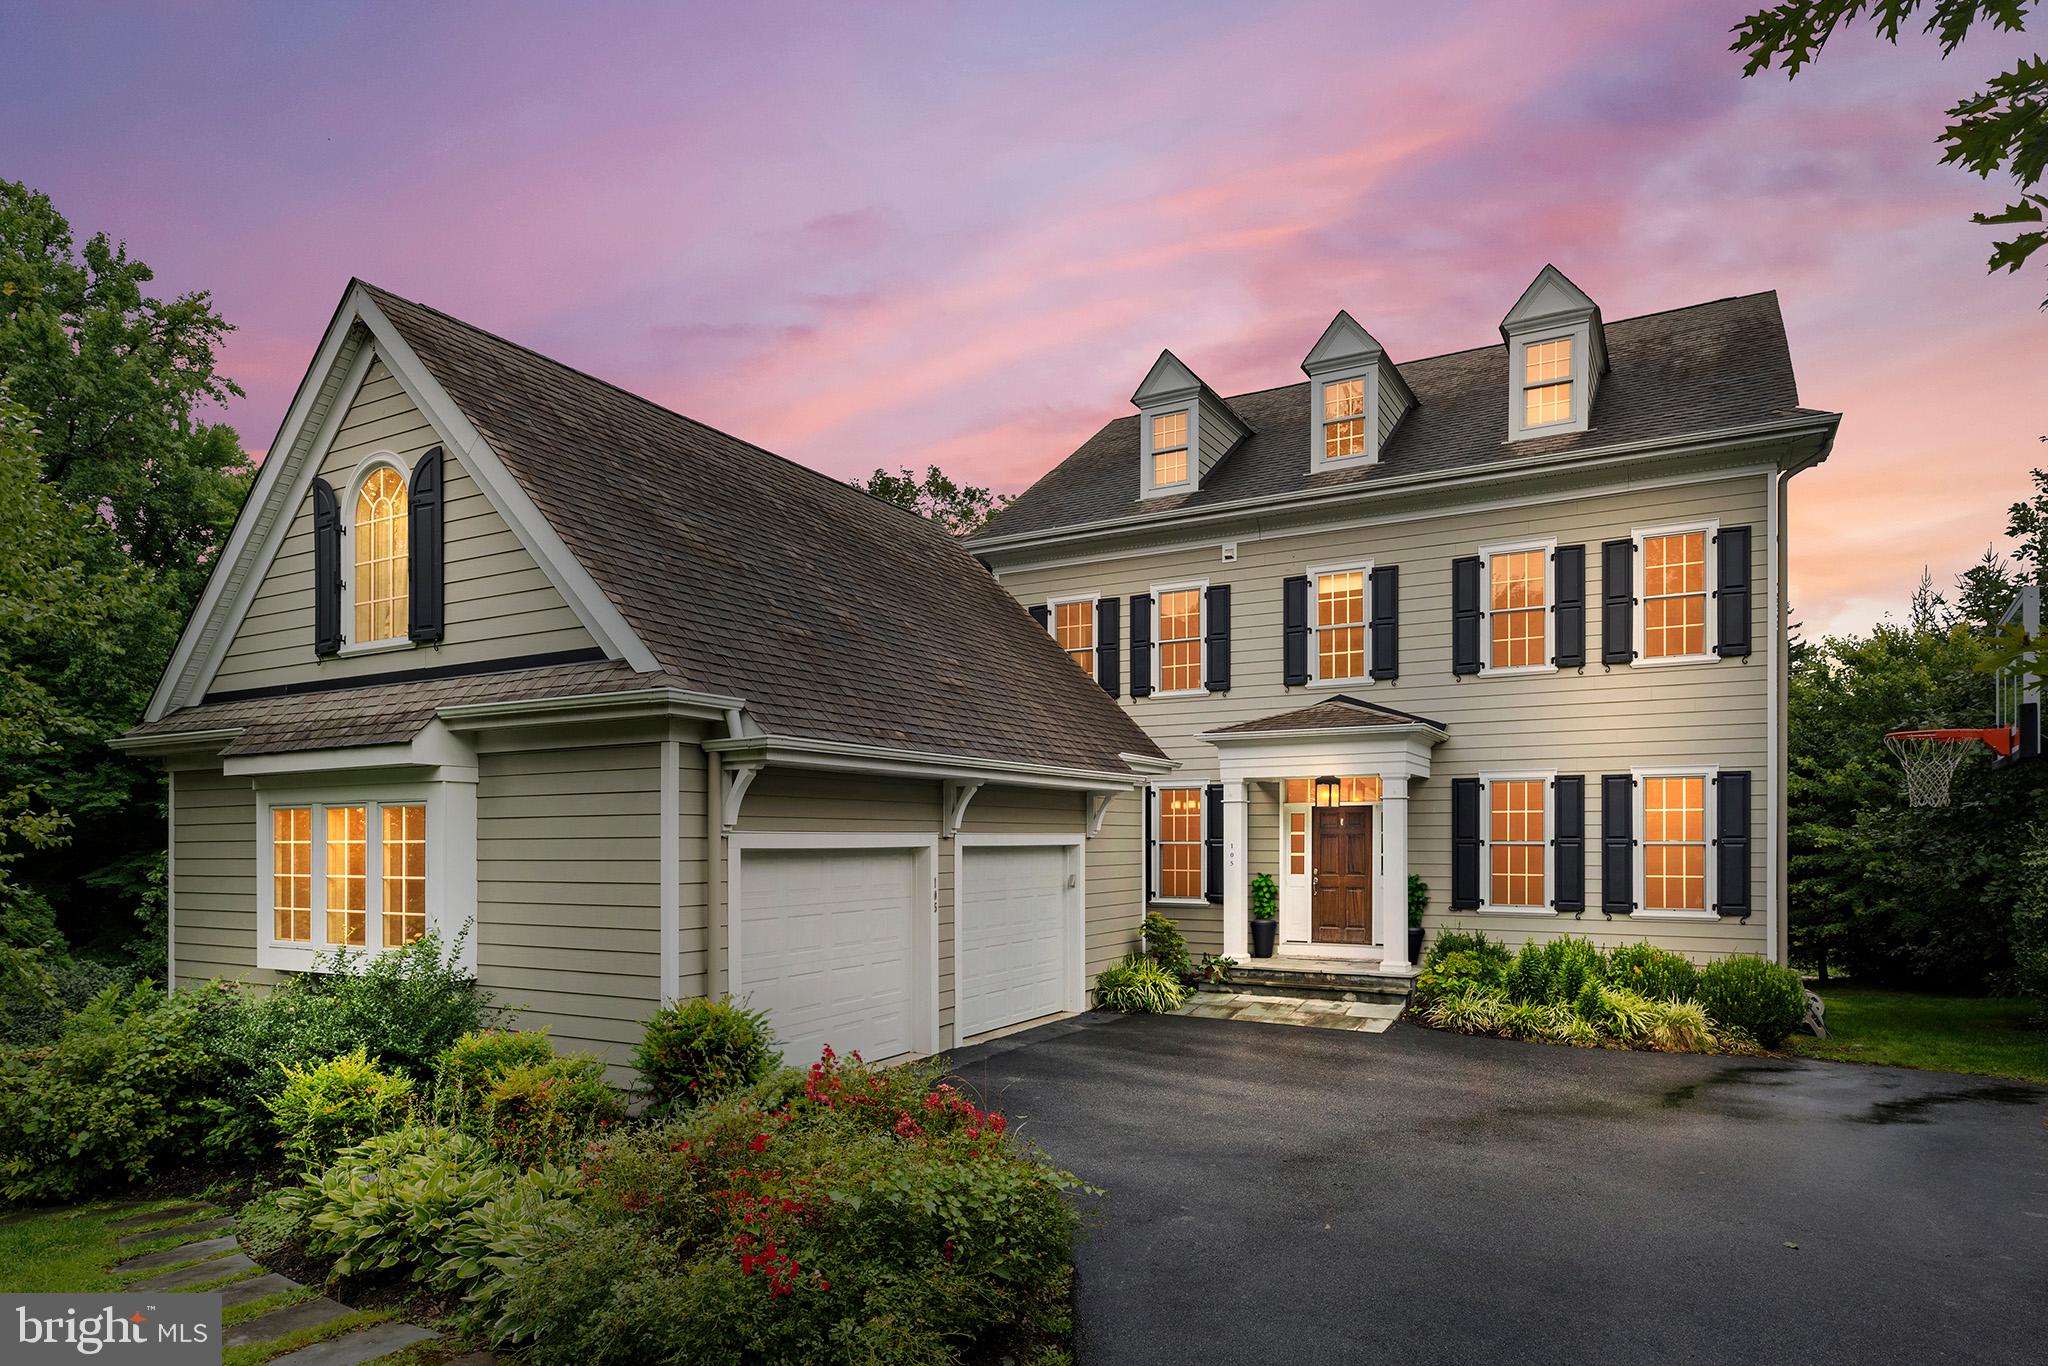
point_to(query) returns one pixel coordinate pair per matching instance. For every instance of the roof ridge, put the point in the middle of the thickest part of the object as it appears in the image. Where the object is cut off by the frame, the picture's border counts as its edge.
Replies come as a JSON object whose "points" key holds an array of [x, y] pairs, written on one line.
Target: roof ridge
{"points": [[642, 399]]}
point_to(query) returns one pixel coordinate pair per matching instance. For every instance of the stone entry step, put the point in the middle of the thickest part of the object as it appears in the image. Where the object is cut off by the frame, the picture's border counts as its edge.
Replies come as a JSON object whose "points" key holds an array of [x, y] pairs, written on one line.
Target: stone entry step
{"points": [[224, 1224], [1310, 979], [353, 1349], [278, 1322], [184, 1252]]}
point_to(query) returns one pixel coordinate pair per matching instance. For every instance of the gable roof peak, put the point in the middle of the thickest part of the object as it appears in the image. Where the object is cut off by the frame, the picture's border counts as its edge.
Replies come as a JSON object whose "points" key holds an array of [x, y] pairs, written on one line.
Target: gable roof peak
{"points": [[1344, 342], [1167, 380], [1550, 297]]}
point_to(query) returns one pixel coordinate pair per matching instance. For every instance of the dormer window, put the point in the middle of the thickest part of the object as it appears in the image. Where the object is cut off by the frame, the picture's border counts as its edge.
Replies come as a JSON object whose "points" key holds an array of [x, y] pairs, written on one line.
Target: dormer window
{"points": [[1169, 449], [1547, 382], [1344, 418]]}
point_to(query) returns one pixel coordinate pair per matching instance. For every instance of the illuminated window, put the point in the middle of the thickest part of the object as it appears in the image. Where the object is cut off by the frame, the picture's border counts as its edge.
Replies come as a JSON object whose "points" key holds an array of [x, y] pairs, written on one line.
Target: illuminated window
{"points": [[1343, 418], [347, 875], [1354, 791], [380, 532], [1170, 448], [1073, 625], [1180, 843], [1297, 842], [1547, 382], [1675, 595], [1339, 625], [1675, 844], [1517, 609], [1180, 640], [404, 874], [291, 873], [1515, 842]]}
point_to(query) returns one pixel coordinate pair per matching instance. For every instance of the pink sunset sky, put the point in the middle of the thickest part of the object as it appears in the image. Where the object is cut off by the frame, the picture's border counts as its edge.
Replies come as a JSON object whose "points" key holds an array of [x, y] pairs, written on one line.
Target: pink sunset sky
{"points": [[959, 233]]}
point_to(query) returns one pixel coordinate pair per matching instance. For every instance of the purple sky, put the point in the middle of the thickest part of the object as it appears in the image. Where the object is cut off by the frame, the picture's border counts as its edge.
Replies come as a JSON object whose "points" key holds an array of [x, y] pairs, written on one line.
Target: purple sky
{"points": [[960, 233]]}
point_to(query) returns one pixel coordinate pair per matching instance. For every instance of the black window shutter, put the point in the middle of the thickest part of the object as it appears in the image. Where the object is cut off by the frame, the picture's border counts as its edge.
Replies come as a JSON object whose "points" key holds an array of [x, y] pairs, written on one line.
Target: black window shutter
{"points": [[1216, 642], [1731, 835], [1109, 654], [1731, 593], [1618, 843], [1465, 614], [1568, 842], [1043, 616], [425, 614], [326, 569], [1617, 602], [1294, 630], [1141, 644], [1212, 844], [1386, 621], [1151, 840], [1568, 565], [1464, 844]]}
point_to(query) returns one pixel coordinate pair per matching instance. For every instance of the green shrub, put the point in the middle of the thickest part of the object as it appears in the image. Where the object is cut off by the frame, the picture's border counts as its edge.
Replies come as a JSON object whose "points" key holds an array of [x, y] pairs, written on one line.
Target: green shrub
{"points": [[697, 1050], [1472, 1012], [1679, 1026], [544, 1112], [120, 1097], [1467, 941], [1765, 1000], [1165, 945], [467, 1067], [1554, 972], [1139, 985], [1265, 897], [408, 1203], [2030, 925], [30, 1016], [1653, 972], [1622, 1013], [841, 1214], [337, 1104], [1529, 975], [1461, 970], [1418, 901]]}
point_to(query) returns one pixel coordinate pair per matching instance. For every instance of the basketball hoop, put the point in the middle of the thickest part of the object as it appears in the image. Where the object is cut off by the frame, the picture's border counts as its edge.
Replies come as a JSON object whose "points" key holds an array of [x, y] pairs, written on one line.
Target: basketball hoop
{"points": [[1930, 758]]}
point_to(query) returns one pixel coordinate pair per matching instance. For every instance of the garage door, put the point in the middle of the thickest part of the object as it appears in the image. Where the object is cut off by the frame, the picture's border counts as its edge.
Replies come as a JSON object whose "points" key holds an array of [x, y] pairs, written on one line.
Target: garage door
{"points": [[829, 947], [1013, 935]]}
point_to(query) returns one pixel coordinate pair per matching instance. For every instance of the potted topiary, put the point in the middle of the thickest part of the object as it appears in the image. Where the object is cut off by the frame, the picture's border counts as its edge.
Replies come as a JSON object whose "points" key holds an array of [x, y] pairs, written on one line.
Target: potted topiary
{"points": [[1265, 915], [1418, 902]]}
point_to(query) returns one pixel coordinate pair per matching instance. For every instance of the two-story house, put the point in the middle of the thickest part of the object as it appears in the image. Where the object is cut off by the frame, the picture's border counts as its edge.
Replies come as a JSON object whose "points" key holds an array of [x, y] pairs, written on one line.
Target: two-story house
{"points": [[1509, 621]]}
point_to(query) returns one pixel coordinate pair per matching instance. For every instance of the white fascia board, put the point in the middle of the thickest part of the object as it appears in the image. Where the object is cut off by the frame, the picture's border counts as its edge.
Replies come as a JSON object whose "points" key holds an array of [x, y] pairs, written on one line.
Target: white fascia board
{"points": [[599, 615], [175, 742], [636, 702], [1728, 440], [1223, 739], [845, 756], [436, 748]]}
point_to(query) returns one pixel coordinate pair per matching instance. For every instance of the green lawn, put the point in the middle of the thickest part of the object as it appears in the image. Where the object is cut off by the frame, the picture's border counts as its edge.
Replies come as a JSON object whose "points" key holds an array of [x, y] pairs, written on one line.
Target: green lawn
{"points": [[69, 1250], [1988, 1036]]}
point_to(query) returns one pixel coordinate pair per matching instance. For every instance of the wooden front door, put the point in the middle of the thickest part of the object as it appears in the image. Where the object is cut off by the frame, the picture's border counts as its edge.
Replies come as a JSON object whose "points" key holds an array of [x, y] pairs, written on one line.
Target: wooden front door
{"points": [[1342, 900]]}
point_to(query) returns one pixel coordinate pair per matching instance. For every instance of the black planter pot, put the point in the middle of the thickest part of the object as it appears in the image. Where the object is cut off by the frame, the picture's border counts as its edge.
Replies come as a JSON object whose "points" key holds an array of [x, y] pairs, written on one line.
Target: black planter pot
{"points": [[1264, 933], [1415, 945]]}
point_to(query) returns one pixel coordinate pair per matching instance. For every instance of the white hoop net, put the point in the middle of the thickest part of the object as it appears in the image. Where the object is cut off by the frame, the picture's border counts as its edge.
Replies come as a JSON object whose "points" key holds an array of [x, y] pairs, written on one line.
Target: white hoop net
{"points": [[1929, 764]]}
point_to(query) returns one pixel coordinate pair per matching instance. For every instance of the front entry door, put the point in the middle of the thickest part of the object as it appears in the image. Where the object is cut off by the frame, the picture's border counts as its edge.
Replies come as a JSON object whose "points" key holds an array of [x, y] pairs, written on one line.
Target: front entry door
{"points": [[1342, 901]]}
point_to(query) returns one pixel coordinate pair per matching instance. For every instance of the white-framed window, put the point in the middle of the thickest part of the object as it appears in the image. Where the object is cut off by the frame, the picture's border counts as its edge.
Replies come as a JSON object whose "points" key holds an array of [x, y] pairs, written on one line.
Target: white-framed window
{"points": [[1072, 623], [1548, 377], [1674, 620], [1167, 448], [1517, 872], [362, 867], [1179, 827], [1550, 371], [1344, 418], [1517, 588], [1674, 841], [1339, 613], [1180, 620], [375, 560]]}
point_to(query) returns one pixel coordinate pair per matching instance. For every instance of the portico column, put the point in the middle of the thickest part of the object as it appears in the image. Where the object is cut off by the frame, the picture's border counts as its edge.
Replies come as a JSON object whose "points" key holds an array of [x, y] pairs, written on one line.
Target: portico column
{"points": [[1391, 919], [1236, 883]]}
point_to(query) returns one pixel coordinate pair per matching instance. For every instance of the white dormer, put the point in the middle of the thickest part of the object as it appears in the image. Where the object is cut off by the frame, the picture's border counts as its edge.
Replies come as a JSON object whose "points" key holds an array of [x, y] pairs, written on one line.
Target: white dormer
{"points": [[1184, 429], [1356, 397], [1557, 353]]}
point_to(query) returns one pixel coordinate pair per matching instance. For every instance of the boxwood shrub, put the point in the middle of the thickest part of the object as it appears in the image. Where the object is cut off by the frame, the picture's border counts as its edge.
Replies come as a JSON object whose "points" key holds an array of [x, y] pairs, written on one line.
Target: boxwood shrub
{"points": [[1766, 1000], [697, 1050]]}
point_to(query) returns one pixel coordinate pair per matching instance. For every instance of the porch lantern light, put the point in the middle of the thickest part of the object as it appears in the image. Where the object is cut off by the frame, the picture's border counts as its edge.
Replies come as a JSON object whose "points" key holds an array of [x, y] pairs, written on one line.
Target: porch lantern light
{"points": [[1329, 791]]}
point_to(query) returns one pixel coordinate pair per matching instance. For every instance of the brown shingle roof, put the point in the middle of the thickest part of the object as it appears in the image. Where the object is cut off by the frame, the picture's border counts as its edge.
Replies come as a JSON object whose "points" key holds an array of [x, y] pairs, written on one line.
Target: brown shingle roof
{"points": [[387, 713], [1332, 713], [835, 615], [1692, 370]]}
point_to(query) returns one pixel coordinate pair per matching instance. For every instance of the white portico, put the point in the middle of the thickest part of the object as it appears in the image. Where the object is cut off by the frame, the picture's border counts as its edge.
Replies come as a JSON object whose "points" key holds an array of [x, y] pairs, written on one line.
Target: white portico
{"points": [[1340, 770]]}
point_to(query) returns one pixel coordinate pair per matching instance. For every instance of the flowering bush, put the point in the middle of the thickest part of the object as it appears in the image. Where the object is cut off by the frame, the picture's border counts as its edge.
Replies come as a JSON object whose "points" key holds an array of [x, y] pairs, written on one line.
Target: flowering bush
{"points": [[840, 1213], [698, 1050]]}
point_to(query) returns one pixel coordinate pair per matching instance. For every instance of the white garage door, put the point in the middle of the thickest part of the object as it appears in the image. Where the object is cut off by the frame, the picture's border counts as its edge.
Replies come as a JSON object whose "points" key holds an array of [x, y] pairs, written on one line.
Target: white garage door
{"points": [[829, 947], [1014, 936]]}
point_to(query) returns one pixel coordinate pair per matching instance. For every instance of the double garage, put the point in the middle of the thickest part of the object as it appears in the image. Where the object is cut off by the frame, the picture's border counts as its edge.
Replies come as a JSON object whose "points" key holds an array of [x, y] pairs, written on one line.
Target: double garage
{"points": [[859, 941]]}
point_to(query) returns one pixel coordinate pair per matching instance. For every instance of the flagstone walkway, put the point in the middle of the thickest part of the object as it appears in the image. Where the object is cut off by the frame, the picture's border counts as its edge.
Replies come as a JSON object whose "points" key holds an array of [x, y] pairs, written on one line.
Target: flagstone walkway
{"points": [[1365, 1017], [211, 1256]]}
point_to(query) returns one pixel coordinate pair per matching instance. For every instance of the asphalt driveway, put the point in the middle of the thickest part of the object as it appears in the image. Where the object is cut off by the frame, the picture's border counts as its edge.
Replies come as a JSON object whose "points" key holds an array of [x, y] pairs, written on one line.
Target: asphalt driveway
{"points": [[1303, 1195]]}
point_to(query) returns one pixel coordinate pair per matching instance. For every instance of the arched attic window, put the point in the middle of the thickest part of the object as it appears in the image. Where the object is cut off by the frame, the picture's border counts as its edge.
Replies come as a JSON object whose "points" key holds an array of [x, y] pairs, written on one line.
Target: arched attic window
{"points": [[379, 525]]}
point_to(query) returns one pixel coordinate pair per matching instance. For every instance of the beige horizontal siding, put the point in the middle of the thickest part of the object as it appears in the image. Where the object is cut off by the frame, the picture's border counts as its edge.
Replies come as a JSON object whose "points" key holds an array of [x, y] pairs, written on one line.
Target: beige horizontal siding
{"points": [[500, 603], [1589, 721], [569, 891], [213, 886]]}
